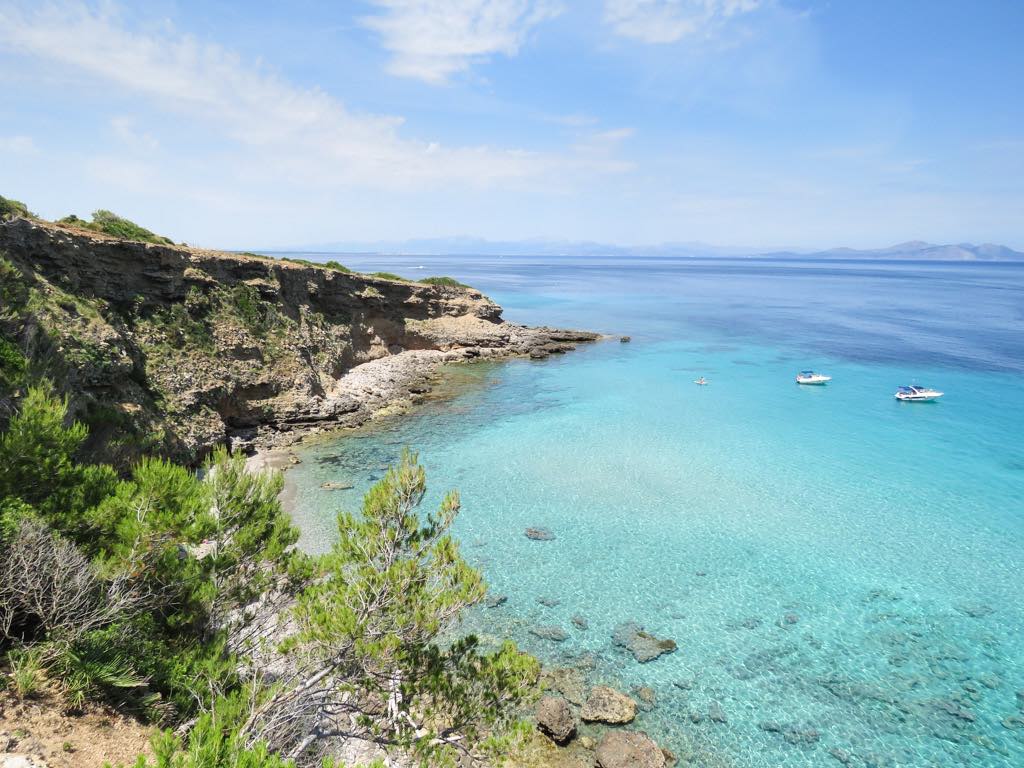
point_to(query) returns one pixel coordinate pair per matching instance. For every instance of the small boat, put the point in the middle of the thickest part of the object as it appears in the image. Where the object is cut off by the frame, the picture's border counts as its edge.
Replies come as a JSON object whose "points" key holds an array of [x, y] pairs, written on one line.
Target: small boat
{"points": [[917, 394], [701, 381], [810, 377]]}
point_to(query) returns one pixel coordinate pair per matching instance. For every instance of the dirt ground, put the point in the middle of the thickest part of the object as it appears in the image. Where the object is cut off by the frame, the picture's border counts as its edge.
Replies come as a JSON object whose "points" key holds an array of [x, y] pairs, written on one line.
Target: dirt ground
{"points": [[39, 728]]}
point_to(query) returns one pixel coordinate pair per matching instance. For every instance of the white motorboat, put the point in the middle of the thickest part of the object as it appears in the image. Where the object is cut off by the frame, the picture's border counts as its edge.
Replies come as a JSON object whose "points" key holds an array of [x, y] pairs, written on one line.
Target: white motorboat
{"points": [[810, 377], [701, 382], [917, 394]]}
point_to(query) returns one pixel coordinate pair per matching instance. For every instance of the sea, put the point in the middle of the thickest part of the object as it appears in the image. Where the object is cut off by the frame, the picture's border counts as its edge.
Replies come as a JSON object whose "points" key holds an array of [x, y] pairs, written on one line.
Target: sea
{"points": [[843, 573]]}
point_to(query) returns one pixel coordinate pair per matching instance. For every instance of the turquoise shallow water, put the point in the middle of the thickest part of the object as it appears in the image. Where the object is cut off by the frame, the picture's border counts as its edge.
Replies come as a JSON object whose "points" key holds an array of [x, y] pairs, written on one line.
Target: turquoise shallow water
{"points": [[827, 559]]}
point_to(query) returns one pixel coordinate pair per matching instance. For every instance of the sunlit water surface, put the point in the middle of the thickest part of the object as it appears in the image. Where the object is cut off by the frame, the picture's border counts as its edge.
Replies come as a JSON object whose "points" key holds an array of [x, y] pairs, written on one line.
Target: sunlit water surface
{"points": [[828, 559]]}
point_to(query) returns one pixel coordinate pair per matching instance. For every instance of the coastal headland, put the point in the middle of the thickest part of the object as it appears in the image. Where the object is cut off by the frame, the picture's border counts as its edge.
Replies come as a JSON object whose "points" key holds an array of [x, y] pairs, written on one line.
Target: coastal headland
{"points": [[182, 349]]}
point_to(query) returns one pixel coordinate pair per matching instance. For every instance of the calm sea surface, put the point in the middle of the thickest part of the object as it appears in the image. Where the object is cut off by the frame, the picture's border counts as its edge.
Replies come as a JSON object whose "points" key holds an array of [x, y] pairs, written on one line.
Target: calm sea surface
{"points": [[829, 560]]}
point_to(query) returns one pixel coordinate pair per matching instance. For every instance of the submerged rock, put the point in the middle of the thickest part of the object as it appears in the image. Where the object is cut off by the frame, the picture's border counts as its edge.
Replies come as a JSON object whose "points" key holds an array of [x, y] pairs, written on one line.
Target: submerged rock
{"points": [[495, 600], [642, 644], [625, 339], [629, 749], [330, 486], [975, 610], [646, 697], [990, 680], [571, 682], [841, 755], [716, 714], [953, 709], [606, 705], [549, 602], [580, 623], [539, 534], [555, 719], [555, 634], [793, 734]]}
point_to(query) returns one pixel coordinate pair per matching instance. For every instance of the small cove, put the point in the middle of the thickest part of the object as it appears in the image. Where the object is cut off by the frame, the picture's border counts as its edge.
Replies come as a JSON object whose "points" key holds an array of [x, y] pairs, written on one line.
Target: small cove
{"points": [[829, 561]]}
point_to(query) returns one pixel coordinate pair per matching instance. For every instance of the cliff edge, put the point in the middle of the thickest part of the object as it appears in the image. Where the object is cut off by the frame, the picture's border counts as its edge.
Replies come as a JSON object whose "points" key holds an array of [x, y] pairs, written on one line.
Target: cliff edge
{"points": [[174, 349]]}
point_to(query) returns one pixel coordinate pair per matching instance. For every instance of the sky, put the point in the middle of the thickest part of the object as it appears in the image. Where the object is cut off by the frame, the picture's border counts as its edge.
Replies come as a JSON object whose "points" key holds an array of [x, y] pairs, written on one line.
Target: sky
{"points": [[754, 123]]}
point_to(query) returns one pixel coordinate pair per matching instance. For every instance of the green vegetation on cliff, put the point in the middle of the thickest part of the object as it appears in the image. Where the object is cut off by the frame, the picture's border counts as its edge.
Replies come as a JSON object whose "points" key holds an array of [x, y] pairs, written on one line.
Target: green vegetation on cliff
{"points": [[107, 359], [111, 224], [332, 265], [449, 282], [11, 208]]}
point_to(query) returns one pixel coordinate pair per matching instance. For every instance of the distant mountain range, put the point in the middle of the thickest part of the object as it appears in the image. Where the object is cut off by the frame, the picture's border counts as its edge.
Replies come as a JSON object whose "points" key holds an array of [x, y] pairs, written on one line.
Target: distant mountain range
{"points": [[470, 246], [917, 249]]}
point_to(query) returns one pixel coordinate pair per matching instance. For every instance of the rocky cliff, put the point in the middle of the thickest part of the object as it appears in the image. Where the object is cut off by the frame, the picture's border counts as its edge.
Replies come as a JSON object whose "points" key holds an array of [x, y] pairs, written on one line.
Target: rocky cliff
{"points": [[177, 349]]}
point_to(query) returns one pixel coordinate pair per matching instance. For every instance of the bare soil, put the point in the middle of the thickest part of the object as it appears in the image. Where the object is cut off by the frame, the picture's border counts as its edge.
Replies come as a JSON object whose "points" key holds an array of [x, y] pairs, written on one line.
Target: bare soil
{"points": [[39, 727]]}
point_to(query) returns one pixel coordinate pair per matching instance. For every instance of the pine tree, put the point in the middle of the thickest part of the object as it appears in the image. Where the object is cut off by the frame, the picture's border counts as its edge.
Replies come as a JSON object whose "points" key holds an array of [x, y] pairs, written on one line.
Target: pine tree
{"points": [[377, 629]]}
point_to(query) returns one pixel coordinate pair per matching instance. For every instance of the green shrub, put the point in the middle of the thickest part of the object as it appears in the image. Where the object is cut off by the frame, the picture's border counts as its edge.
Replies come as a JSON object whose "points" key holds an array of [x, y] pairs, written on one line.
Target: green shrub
{"points": [[10, 209], [184, 324], [13, 366], [258, 316], [40, 465], [92, 673], [14, 292], [450, 282], [336, 266], [26, 676], [215, 741], [387, 276], [147, 529], [111, 224]]}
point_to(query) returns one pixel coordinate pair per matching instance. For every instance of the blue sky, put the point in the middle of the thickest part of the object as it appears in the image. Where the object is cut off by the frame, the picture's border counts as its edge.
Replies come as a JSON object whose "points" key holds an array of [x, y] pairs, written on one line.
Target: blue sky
{"points": [[759, 123]]}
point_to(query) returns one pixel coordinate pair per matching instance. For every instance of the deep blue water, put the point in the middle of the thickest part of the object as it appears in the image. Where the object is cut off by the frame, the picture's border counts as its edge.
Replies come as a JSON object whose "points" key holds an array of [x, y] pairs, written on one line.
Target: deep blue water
{"points": [[828, 559]]}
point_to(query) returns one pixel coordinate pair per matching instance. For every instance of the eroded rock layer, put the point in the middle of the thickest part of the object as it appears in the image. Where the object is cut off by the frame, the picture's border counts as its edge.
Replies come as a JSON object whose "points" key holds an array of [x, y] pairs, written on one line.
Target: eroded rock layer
{"points": [[179, 349]]}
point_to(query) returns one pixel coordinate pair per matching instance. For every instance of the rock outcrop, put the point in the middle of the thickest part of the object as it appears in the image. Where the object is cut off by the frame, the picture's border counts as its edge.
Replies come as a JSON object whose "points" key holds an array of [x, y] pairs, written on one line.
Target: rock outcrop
{"points": [[629, 749], [555, 719], [606, 705], [191, 348]]}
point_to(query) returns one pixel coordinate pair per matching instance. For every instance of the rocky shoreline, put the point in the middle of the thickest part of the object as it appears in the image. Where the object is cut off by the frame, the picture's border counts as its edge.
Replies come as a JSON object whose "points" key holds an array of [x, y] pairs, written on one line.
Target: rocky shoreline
{"points": [[185, 349], [392, 383]]}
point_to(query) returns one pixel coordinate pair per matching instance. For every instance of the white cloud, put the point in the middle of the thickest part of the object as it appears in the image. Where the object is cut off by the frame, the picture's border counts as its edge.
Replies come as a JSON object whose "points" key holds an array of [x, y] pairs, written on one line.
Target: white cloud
{"points": [[669, 21], [125, 129], [17, 145], [291, 133], [433, 39], [577, 120]]}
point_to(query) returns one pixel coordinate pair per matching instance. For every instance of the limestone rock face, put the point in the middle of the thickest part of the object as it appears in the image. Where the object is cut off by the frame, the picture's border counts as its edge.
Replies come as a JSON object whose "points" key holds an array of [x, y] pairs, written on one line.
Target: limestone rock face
{"points": [[629, 749], [21, 761], [555, 719], [196, 348], [606, 705]]}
